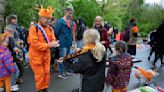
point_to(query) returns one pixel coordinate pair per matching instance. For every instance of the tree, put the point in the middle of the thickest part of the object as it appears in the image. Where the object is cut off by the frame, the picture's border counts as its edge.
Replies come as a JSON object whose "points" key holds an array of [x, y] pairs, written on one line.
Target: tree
{"points": [[117, 12], [150, 18], [87, 9], [2, 9], [25, 9]]}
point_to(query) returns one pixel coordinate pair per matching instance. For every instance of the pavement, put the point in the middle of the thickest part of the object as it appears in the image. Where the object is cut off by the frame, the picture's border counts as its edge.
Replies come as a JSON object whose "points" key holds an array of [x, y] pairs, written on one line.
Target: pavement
{"points": [[61, 85]]}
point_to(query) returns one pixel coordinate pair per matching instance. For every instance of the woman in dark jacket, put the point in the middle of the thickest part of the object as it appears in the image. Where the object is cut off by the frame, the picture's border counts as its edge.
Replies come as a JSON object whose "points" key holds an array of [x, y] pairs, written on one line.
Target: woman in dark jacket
{"points": [[80, 30], [102, 31], [91, 64]]}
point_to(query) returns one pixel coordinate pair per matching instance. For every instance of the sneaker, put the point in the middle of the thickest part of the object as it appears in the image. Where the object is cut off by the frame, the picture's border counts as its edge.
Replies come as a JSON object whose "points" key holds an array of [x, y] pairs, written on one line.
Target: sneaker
{"points": [[13, 88], [69, 73], [61, 76], [17, 86], [132, 56]]}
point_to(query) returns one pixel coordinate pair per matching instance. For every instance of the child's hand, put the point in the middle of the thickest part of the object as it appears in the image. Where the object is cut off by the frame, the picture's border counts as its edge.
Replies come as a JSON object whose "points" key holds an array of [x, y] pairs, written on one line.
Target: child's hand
{"points": [[60, 60], [21, 59], [16, 49]]}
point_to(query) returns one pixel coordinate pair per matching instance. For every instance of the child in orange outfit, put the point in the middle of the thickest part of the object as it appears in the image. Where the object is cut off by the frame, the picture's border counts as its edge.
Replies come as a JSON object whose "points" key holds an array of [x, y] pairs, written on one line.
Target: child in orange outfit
{"points": [[41, 38]]}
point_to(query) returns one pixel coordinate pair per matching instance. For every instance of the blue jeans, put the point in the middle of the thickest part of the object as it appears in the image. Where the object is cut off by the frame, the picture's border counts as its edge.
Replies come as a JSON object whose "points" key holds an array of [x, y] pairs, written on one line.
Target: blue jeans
{"points": [[63, 52], [15, 76], [79, 43]]}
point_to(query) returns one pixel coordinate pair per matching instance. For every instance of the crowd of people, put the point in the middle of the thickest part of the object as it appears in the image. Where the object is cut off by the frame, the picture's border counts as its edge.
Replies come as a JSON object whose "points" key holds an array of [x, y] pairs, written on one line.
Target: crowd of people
{"points": [[50, 40]]}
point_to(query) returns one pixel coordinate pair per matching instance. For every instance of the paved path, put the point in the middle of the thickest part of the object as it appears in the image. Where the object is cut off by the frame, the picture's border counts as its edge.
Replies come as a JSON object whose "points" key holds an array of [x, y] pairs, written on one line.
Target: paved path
{"points": [[60, 85]]}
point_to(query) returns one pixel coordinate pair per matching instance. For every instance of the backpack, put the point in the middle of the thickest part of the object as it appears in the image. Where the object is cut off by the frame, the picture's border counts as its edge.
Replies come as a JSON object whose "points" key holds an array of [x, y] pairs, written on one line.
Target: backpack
{"points": [[26, 38], [126, 34]]}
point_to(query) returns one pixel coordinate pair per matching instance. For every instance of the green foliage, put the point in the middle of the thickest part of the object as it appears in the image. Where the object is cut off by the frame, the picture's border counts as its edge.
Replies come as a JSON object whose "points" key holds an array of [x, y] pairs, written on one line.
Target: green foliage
{"points": [[117, 12], [23, 8], [150, 18], [87, 9]]}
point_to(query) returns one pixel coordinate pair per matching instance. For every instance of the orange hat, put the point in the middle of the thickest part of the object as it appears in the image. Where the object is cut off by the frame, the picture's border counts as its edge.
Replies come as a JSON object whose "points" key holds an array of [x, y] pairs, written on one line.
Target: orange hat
{"points": [[3, 36], [45, 12]]}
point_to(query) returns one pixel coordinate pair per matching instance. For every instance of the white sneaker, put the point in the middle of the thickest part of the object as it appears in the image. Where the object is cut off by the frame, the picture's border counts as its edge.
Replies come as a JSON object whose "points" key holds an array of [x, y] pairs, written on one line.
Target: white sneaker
{"points": [[61, 76], [132, 56], [17, 86], [69, 73], [1, 89], [14, 88]]}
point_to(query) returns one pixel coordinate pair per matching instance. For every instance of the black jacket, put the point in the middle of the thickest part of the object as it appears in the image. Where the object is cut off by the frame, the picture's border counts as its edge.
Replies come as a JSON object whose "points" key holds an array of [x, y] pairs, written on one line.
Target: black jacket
{"points": [[93, 73], [152, 39], [159, 39], [11, 46], [80, 30]]}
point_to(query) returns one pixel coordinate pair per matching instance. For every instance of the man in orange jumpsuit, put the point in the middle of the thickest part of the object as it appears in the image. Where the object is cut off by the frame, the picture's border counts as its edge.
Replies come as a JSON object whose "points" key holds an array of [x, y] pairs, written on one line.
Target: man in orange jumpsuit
{"points": [[41, 38]]}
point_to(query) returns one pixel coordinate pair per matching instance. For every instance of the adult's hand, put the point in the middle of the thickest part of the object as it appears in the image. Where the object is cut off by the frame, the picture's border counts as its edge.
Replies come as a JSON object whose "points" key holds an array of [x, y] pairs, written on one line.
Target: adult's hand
{"points": [[60, 60], [54, 44]]}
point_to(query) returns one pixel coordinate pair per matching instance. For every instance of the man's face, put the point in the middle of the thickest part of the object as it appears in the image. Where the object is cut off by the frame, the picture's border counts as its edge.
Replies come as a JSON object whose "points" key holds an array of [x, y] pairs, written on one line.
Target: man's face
{"points": [[98, 22], [14, 21], [44, 21], [69, 15]]}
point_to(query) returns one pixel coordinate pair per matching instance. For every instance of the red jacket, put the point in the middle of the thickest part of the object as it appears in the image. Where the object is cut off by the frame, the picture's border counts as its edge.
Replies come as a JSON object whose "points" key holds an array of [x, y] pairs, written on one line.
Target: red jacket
{"points": [[104, 37]]}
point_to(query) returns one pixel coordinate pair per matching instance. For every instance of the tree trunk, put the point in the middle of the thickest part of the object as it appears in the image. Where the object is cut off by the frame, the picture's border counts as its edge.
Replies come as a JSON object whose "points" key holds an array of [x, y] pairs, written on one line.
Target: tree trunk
{"points": [[2, 10], [102, 8]]}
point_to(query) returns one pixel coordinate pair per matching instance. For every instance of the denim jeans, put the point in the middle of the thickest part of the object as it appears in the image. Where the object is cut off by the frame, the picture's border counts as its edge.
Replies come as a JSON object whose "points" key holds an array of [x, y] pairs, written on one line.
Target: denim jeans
{"points": [[80, 44], [63, 52], [15, 76]]}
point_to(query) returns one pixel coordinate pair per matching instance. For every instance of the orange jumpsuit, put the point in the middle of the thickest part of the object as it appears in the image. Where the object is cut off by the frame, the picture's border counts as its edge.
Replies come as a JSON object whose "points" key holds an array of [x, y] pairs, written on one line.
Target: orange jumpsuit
{"points": [[39, 54]]}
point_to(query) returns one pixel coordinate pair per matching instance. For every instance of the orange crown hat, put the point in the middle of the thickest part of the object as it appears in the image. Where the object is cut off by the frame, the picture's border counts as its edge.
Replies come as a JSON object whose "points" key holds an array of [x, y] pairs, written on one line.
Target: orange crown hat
{"points": [[3, 36], [45, 12]]}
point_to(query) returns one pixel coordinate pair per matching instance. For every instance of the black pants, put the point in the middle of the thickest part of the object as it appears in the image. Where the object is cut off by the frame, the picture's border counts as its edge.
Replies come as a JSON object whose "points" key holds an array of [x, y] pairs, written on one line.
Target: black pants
{"points": [[157, 56], [21, 68], [151, 52], [132, 49], [54, 55], [52, 61]]}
